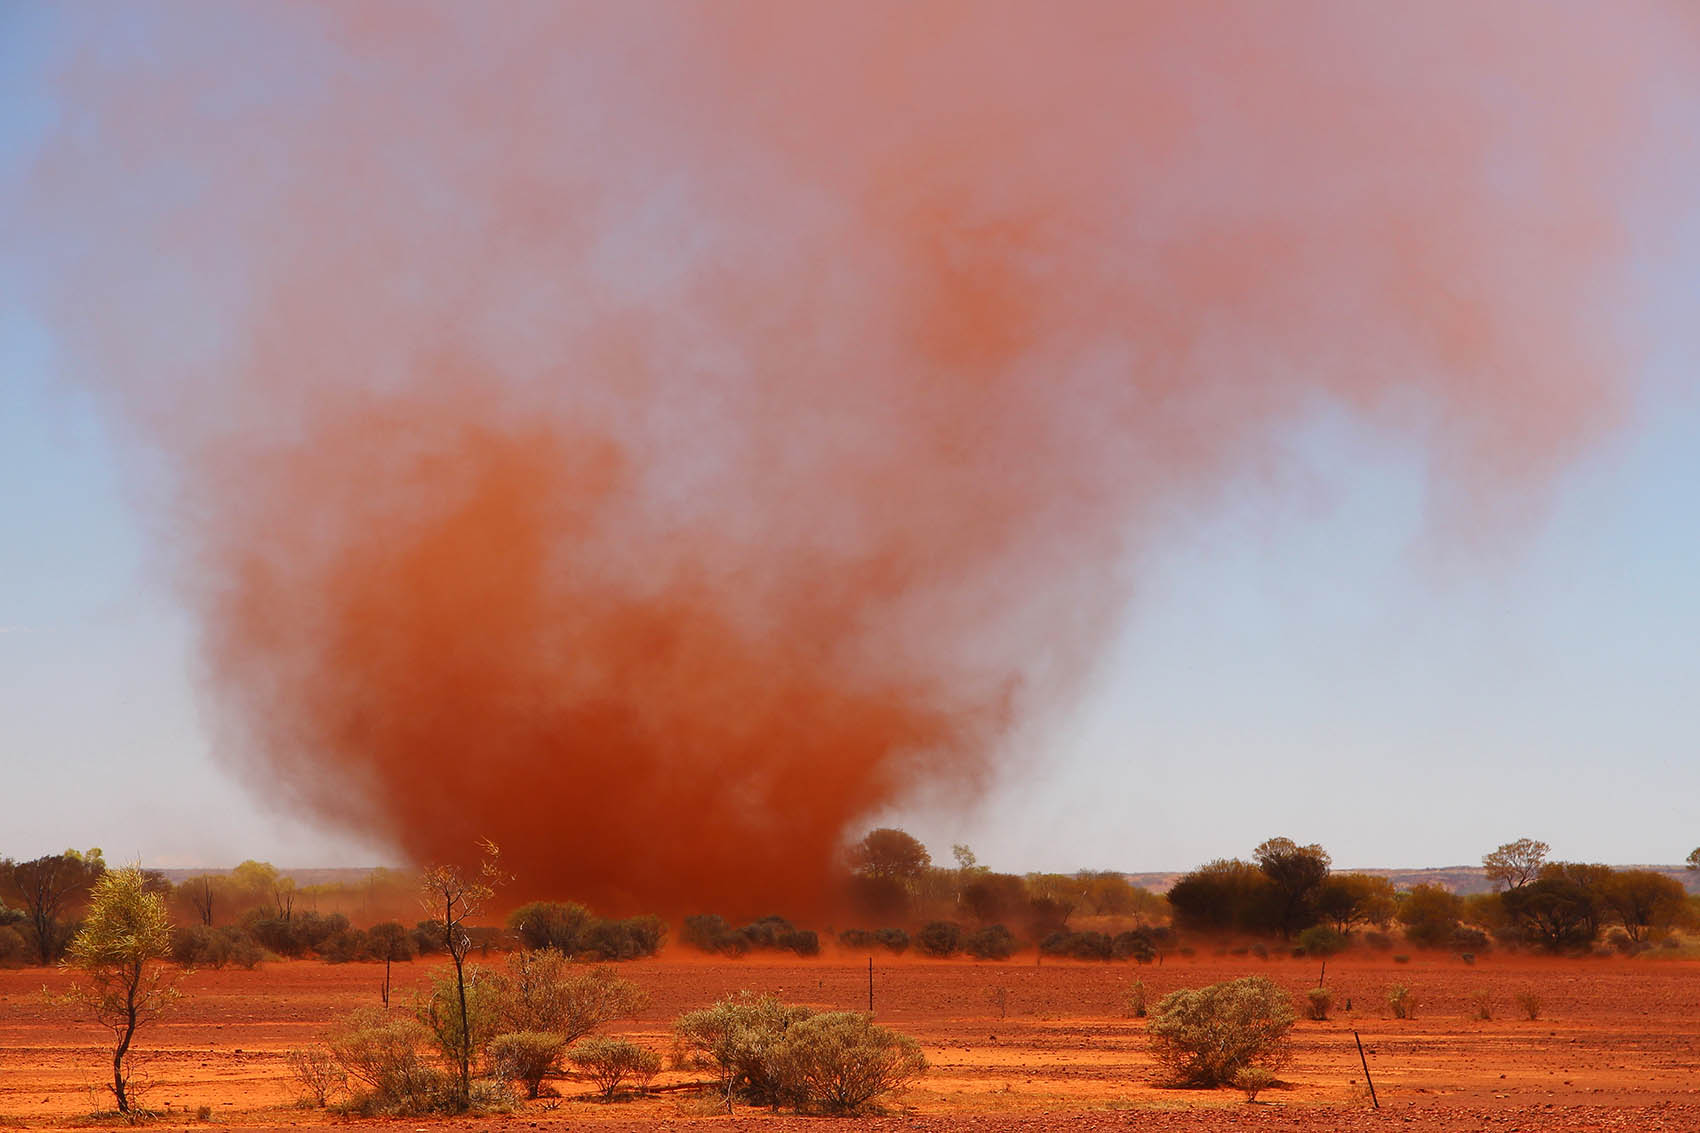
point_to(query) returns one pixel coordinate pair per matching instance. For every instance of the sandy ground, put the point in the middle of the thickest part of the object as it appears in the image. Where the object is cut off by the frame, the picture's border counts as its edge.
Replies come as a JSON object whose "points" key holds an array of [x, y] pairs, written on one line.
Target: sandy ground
{"points": [[1012, 1046]]}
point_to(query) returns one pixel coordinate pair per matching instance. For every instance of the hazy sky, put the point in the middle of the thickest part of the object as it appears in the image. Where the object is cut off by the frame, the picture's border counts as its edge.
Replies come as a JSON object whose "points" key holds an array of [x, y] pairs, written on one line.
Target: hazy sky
{"points": [[1304, 656]]}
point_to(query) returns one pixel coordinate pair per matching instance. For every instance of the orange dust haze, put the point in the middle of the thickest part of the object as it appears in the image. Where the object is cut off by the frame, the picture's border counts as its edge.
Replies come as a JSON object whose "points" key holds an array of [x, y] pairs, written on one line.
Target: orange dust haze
{"points": [[659, 437]]}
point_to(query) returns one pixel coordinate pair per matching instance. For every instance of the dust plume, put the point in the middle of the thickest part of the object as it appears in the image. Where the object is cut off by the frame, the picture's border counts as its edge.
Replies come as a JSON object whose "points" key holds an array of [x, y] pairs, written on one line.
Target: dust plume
{"points": [[659, 436]]}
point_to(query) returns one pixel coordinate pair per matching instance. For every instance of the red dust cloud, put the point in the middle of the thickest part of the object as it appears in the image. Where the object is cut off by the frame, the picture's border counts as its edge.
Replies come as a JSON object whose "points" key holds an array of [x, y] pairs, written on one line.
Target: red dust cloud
{"points": [[658, 437]]}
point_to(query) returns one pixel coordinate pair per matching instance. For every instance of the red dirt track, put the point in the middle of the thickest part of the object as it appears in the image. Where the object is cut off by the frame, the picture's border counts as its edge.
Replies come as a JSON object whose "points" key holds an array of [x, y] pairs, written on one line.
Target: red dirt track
{"points": [[1616, 1047]]}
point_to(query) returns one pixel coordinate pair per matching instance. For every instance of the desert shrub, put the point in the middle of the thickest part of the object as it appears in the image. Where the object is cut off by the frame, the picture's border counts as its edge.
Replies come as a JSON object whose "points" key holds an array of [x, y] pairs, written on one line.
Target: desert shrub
{"points": [[1136, 1005], [736, 1038], [895, 940], [940, 939], [1137, 945], [1529, 1002], [199, 946], [629, 939], [544, 991], [1402, 1002], [550, 924], [711, 933], [1469, 938], [438, 1009], [526, 1057], [427, 937], [381, 1054], [318, 1073], [1202, 1037], [1401, 959], [1321, 940], [1253, 1080], [857, 940], [389, 940], [994, 942], [1482, 1001], [1078, 945], [1318, 1001], [841, 1062], [611, 1062], [12, 946], [345, 946], [1260, 950]]}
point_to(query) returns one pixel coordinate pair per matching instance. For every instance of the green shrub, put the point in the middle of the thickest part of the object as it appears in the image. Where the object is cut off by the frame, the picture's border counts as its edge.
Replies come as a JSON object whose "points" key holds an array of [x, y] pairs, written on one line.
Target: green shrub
{"points": [[526, 1057], [1318, 1001], [840, 1062], [1078, 945], [1202, 1037], [345, 946], [1254, 1080], [1322, 940], [736, 1038], [611, 1062], [319, 1074], [940, 939], [1136, 1005], [994, 942], [1402, 1002], [381, 1053], [543, 991]]}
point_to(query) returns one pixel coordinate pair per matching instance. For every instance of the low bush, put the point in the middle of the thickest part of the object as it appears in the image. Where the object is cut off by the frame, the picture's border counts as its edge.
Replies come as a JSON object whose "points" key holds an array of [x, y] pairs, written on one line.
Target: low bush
{"points": [[380, 1055], [544, 992], [12, 946], [610, 1063], [526, 1057], [1202, 1037], [736, 1039], [1078, 945], [1402, 1002], [994, 942], [578, 933], [1322, 940], [939, 939], [712, 933], [1136, 1005], [318, 1073], [1139, 945], [1530, 1003], [1483, 1004], [840, 1062], [1253, 1080], [894, 940], [345, 946], [1318, 1002]]}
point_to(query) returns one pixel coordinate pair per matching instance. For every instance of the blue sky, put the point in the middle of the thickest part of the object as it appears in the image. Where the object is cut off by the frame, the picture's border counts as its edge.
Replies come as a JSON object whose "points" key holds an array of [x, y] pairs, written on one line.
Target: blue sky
{"points": [[1305, 658]]}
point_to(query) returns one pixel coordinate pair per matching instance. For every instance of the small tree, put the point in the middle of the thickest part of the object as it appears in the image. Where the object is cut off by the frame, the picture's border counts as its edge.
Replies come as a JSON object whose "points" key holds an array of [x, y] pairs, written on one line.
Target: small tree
{"points": [[541, 991], [47, 888], [449, 897], [1515, 864], [1694, 858], [1202, 1037], [890, 854], [1297, 873], [123, 938]]}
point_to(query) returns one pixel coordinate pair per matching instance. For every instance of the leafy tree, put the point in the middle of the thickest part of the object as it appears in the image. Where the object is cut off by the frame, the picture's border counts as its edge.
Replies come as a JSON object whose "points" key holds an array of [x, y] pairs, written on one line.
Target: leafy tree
{"points": [[1515, 864], [1594, 881], [889, 854], [993, 898], [124, 936], [1430, 914], [1694, 858], [1346, 899], [1644, 901], [47, 888], [449, 897], [1297, 874], [1225, 896], [1555, 912]]}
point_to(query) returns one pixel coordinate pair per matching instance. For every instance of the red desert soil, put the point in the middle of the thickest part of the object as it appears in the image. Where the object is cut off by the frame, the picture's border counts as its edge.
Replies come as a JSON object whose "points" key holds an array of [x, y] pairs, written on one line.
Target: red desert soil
{"points": [[1616, 1046]]}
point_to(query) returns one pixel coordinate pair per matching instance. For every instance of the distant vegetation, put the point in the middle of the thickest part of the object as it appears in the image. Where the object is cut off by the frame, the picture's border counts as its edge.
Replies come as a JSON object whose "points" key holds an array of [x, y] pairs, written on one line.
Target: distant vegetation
{"points": [[895, 900]]}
